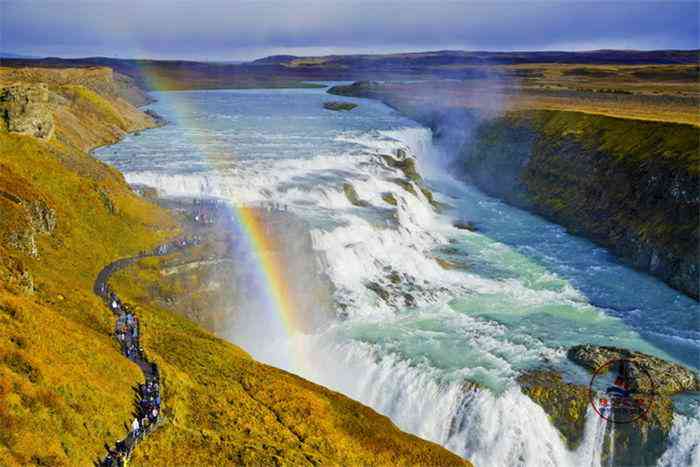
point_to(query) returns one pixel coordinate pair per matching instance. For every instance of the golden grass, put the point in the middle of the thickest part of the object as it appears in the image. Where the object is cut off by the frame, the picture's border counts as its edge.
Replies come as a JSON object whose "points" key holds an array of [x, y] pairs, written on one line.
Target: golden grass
{"points": [[65, 389]]}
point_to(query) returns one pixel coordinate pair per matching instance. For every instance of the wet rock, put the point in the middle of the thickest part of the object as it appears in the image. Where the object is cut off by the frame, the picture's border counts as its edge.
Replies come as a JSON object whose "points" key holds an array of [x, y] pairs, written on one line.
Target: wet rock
{"points": [[452, 250], [640, 442], [466, 225], [389, 198], [24, 109], [429, 196], [158, 119], [448, 264], [409, 300], [353, 197], [565, 404], [668, 378], [357, 89], [379, 290], [339, 106], [406, 185], [407, 165], [394, 277]]}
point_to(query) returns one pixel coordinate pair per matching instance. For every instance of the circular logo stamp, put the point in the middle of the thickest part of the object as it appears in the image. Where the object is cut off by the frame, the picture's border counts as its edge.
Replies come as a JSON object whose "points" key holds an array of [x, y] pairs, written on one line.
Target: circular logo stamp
{"points": [[621, 391]]}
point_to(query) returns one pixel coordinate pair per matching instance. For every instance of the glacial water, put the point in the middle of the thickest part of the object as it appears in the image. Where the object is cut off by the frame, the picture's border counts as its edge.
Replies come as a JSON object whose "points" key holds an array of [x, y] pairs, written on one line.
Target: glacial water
{"points": [[518, 293]]}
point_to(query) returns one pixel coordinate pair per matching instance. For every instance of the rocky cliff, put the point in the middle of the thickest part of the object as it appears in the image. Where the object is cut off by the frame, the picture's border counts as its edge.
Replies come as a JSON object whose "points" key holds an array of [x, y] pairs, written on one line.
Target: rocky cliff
{"points": [[632, 186], [24, 110]]}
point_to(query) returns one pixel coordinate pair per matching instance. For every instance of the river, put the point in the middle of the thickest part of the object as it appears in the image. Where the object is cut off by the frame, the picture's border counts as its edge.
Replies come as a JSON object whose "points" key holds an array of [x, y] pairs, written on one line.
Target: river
{"points": [[516, 293]]}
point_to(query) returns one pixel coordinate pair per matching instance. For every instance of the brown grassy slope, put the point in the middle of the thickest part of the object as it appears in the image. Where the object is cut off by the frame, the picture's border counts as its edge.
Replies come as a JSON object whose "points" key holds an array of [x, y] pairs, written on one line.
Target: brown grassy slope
{"points": [[100, 79], [225, 408], [91, 106], [64, 389]]}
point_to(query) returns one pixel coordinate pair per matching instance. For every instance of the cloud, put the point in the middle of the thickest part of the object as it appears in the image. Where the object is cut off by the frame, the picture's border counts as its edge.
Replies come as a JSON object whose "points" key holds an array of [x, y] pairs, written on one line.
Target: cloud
{"points": [[230, 29]]}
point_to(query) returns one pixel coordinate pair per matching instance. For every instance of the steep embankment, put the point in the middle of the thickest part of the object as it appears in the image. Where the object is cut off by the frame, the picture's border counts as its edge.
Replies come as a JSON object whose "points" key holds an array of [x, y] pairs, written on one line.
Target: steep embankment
{"points": [[630, 185], [65, 390]]}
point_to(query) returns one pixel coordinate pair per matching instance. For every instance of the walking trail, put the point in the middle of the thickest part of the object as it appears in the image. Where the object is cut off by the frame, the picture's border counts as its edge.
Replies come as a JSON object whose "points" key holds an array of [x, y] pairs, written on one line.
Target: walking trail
{"points": [[147, 405]]}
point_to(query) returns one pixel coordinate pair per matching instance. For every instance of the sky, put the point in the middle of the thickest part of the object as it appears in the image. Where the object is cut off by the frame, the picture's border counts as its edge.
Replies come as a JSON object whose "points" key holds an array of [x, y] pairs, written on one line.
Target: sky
{"points": [[244, 30]]}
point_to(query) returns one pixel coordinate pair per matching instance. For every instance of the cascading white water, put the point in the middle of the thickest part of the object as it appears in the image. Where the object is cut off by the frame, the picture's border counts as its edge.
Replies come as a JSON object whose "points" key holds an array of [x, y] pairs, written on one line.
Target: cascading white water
{"points": [[426, 307], [684, 442]]}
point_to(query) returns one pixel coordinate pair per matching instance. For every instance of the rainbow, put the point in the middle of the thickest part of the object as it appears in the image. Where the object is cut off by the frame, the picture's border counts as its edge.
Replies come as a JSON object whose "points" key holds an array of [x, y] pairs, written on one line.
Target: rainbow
{"points": [[251, 229]]}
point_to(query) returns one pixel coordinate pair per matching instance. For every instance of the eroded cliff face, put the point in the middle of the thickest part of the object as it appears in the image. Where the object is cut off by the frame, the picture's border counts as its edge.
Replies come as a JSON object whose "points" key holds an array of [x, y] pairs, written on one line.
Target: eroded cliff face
{"points": [[632, 186], [24, 109], [81, 108]]}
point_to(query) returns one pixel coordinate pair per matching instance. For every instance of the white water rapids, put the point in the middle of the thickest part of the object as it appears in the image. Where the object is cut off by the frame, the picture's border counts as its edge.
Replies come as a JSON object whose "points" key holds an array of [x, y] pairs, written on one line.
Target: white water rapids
{"points": [[515, 295]]}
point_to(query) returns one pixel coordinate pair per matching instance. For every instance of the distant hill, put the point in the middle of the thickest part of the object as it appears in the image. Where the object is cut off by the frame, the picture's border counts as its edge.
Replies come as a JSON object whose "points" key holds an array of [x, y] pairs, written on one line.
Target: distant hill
{"points": [[452, 57], [293, 71], [11, 55], [275, 59]]}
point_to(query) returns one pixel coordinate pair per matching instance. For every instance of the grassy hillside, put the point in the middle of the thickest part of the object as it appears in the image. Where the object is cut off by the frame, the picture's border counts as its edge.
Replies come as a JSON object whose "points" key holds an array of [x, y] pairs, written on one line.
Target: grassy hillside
{"points": [[65, 389]]}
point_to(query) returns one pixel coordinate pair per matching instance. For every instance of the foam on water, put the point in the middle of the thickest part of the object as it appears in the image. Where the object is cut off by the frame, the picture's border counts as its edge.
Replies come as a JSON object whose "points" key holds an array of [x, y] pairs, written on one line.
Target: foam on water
{"points": [[514, 298], [684, 443]]}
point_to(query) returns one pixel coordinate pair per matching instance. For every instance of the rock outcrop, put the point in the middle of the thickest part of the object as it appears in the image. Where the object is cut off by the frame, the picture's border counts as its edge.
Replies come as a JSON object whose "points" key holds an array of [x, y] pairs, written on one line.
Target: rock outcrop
{"points": [[24, 109], [639, 441], [43, 218], [566, 404], [353, 197], [339, 106], [668, 378], [32, 218], [412, 178]]}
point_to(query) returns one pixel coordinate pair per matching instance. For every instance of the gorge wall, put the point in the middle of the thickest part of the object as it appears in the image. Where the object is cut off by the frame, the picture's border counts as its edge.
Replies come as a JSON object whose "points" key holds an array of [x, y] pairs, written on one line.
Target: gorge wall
{"points": [[631, 186]]}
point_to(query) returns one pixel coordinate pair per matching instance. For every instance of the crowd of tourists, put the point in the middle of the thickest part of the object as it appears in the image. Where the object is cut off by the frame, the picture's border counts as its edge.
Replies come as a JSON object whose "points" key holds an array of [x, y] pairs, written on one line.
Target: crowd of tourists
{"points": [[147, 411]]}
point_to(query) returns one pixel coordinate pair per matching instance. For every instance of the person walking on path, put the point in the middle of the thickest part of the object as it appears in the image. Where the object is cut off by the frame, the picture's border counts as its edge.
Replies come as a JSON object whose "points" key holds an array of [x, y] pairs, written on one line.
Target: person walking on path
{"points": [[135, 427]]}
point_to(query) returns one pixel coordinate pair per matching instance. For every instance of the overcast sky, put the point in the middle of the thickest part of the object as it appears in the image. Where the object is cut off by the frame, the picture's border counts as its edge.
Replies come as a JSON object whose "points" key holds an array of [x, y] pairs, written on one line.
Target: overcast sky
{"points": [[241, 30]]}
